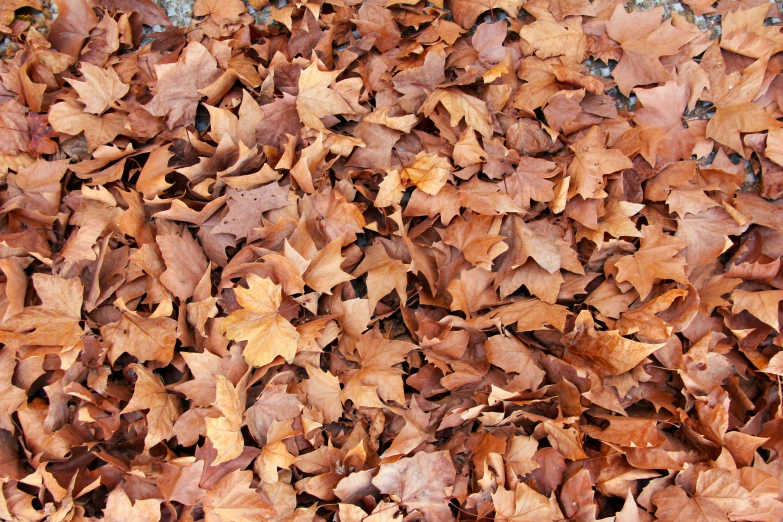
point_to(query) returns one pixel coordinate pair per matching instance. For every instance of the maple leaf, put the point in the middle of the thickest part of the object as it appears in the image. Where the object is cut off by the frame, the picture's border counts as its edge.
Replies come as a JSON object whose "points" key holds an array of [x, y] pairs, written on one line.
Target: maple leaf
{"points": [[68, 118], [164, 408], [551, 38], [101, 89], [231, 499], [461, 105], [743, 32], [75, 19], [524, 504], [324, 272], [384, 274], [762, 305], [377, 358], [225, 432], [185, 263], [119, 508], [732, 95], [218, 13], [611, 353], [55, 322], [14, 128], [323, 390], [267, 332], [644, 40], [658, 257], [145, 338], [177, 91], [592, 161], [465, 12], [477, 239], [316, 99], [420, 483], [12, 396], [416, 83]]}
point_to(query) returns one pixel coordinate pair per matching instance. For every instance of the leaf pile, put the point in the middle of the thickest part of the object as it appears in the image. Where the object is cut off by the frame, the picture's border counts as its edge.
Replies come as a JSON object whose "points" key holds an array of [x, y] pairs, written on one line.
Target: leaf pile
{"points": [[391, 260]]}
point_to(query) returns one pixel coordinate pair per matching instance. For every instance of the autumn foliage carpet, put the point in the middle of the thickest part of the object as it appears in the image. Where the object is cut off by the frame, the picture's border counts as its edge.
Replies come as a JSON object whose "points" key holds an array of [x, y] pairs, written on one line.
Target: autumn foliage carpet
{"points": [[391, 261]]}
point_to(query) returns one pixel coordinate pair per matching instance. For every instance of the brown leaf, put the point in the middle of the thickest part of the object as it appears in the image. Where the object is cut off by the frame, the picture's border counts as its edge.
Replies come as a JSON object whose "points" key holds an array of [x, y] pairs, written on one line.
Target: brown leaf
{"points": [[611, 353], [420, 483], [164, 408]]}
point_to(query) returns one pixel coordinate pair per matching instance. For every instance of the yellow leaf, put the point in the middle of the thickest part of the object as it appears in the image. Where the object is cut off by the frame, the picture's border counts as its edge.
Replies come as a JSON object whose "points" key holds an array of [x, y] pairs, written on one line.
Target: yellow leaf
{"points": [[461, 105], [316, 100], [429, 172], [268, 334], [226, 432]]}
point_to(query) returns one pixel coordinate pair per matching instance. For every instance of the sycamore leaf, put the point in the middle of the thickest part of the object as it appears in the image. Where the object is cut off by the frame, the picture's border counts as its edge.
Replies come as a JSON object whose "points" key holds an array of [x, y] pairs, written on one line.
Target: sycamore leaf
{"points": [[611, 353], [511, 355], [400, 123], [461, 105], [377, 358], [744, 32], [177, 91], [420, 483], [592, 161], [164, 408], [428, 172], [231, 499], [55, 322], [225, 432], [477, 239], [145, 338], [762, 305], [522, 505], [101, 88], [316, 99], [466, 12], [519, 454], [733, 97], [552, 38], [324, 272], [267, 332], [658, 257], [323, 389], [185, 263], [644, 40], [384, 274], [119, 508], [12, 396], [218, 13], [68, 118]]}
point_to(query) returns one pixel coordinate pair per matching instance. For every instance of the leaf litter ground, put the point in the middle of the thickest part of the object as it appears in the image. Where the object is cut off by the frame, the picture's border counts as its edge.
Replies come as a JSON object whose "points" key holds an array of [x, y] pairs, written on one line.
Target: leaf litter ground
{"points": [[391, 260]]}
